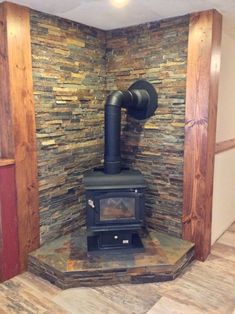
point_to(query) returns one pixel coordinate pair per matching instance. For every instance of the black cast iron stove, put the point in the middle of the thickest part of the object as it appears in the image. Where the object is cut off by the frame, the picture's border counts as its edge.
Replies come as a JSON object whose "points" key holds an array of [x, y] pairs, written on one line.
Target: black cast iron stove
{"points": [[115, 195]]}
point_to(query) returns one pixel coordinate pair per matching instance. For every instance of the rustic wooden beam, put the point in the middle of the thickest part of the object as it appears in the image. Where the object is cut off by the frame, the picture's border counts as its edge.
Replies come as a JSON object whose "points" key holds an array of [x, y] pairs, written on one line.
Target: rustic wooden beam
{"points": [[18, 106], [224, 146], [9, 245], [201, 109]]}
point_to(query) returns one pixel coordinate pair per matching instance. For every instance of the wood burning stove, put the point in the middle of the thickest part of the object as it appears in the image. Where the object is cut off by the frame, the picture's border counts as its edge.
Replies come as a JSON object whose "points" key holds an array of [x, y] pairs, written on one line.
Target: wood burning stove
{"points": [[115, 208], [115, 196]]}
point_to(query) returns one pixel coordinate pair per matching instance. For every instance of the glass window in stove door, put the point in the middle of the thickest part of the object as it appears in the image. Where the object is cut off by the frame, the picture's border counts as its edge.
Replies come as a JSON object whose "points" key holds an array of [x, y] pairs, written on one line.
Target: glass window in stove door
{"points": [[117, 208]]}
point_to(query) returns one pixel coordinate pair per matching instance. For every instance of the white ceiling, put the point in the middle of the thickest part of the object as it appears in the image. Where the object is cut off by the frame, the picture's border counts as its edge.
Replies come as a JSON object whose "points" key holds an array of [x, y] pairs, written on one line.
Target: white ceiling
{"points": [[102, 14]]}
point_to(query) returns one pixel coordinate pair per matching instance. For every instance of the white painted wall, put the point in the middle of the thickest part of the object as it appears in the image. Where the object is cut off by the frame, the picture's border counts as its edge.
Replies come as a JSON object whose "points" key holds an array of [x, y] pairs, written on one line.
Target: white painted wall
{"points": [[223, 213]]}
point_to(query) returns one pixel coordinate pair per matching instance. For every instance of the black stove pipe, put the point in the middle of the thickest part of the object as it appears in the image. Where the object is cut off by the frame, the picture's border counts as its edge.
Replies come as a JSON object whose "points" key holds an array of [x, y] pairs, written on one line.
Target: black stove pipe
{"points": [[131, 100]]}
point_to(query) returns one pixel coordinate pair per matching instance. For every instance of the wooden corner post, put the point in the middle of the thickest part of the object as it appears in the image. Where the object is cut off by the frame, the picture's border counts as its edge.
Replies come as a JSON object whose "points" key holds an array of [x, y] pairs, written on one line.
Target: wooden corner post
{"points": [[17, 121], [200, 129]]}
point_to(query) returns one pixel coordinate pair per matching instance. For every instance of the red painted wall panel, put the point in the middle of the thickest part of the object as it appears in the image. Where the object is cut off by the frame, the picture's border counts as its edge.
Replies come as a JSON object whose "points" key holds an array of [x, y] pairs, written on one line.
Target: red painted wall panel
{"points": [[9, 247]]}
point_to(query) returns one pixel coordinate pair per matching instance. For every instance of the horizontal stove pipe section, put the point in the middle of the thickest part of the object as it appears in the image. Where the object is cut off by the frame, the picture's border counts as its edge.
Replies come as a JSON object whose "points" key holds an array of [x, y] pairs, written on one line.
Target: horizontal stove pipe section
{"points": [[140, 100]]}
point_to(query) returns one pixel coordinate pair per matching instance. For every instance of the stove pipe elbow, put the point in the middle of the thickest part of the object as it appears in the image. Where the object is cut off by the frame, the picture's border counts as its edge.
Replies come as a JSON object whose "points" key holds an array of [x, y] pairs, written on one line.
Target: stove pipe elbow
{"points": [[141, 102]]}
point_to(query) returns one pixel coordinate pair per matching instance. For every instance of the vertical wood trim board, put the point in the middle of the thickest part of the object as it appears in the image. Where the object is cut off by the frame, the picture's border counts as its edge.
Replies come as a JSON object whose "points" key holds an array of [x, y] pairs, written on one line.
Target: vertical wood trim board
{"points": [[6, 133], [20, 106], [9, 246], [200, 127]]}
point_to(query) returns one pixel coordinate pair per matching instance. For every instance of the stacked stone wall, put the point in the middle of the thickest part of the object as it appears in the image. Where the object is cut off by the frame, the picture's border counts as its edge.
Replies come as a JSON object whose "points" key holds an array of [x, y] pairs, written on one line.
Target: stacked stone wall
{"points": [[156, 52], [69, 91], [74, 67]]}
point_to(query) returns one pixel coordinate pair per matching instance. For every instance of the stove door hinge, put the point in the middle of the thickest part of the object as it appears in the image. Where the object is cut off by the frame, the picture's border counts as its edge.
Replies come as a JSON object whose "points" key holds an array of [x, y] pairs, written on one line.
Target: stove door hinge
{"points": [[91, 203]]}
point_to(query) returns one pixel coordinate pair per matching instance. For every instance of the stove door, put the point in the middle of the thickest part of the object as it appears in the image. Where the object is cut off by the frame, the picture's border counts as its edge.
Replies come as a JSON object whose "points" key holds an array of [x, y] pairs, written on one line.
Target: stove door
{"points": [[118, 208]]}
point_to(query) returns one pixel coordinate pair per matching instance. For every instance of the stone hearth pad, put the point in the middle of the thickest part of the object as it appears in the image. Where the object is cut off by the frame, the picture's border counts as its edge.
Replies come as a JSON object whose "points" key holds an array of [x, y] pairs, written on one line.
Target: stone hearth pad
{"points": [[66, 263]]}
